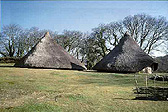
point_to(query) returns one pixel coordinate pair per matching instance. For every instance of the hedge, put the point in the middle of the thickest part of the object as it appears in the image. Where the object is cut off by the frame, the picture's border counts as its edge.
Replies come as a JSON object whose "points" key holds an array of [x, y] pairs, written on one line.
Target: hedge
{"points": [[8, 59]]}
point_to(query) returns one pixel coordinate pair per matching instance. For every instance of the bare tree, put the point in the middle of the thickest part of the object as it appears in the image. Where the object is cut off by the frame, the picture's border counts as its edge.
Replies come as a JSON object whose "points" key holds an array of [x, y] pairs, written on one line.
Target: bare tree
{"points": [[114, 31], [166, 48], [10, 33], [20, 44], [71, 41], [107, 36], [89, 52], [98, 35], [148, 31], [32, 36]]}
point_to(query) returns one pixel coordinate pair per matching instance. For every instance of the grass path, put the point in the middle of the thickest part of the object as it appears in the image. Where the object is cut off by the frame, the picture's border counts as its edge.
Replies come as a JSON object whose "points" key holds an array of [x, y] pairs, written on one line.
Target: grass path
{"points": [[49, 90]]}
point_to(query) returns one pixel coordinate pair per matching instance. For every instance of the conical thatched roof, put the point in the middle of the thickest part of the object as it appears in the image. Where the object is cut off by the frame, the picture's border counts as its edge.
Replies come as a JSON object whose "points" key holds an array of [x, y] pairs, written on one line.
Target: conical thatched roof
{"points": [[127, 56], [162, 64], [48, 54]]}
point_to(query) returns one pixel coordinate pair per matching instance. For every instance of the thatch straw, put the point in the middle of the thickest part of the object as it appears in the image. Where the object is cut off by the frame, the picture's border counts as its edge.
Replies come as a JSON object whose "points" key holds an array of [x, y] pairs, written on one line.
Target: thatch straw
{"points": [[48, 54], [163, 64], [127, 56]]}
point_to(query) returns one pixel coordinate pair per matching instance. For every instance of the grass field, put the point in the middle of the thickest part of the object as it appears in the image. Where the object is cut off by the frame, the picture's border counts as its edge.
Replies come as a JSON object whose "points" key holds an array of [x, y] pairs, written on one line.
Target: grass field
{"points": [[49, 90]]}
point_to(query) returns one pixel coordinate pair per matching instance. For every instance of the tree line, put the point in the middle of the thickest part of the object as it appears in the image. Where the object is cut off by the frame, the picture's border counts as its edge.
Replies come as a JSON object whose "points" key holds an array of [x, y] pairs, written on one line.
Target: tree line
{"points": [[149, 32]]}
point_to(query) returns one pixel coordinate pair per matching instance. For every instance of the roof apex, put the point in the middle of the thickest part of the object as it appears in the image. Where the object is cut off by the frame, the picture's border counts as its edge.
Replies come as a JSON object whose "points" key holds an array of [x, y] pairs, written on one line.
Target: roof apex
{"points": [[47, 34], [126, 34]]}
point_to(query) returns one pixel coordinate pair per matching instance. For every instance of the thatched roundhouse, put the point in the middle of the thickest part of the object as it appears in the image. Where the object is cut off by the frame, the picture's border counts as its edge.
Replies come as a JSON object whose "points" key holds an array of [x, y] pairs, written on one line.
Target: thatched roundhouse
{"points": [[48, 54], [162, 64], [126, 57]]}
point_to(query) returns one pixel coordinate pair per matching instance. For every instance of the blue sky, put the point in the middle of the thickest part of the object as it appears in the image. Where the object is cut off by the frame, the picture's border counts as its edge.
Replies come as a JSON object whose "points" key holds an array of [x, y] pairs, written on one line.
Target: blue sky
{"points": [[75, 15]]}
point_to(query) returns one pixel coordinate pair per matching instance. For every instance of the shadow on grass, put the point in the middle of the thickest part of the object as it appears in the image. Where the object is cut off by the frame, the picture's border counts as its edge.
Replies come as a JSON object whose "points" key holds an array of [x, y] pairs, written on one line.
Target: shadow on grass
{"points": [[149, 99]]}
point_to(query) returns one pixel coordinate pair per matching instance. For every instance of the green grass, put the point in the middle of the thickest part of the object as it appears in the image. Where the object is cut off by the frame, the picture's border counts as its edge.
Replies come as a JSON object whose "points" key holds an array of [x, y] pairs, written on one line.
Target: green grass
{"points": [[49, 90], [34, 107]]}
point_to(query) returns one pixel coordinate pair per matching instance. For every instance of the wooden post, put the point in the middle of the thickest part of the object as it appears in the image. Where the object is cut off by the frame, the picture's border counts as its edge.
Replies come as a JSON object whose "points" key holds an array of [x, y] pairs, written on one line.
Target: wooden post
{"points": [[136, 84], [146, 80]]}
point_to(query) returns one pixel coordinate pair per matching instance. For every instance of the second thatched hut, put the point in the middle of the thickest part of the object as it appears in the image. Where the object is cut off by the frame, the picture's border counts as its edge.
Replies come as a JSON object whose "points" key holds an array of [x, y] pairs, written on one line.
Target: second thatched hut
{"points": [[162, 64], [126, 57]]}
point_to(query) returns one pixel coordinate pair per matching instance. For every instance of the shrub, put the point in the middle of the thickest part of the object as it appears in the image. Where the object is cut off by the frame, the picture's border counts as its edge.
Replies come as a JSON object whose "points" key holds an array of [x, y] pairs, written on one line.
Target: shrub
{"points": [[8, 59]]}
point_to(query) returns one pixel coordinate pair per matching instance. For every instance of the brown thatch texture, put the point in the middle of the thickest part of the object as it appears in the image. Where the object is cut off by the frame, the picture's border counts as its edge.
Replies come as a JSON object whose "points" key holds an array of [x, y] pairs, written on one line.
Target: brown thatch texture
{"points": [[127, 56], [163, 64], [48, 54]]}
